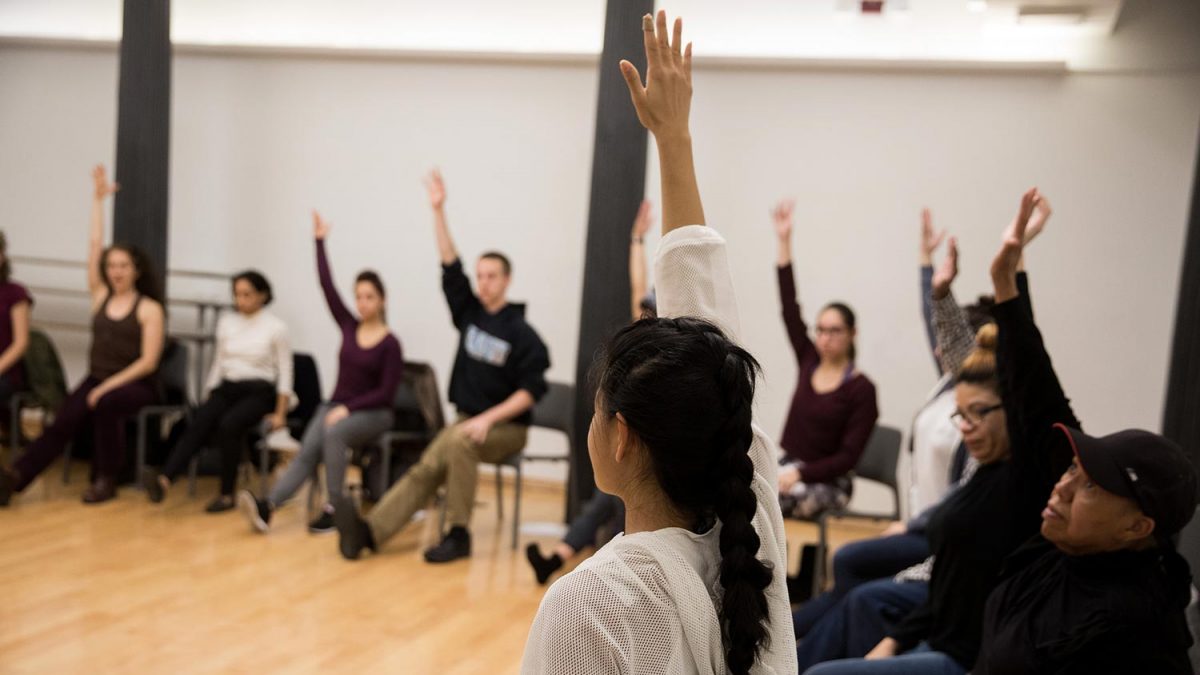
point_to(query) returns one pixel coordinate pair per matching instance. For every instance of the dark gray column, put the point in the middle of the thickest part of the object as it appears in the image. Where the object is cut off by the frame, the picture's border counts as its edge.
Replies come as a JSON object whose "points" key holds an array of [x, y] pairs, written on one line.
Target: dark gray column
{"points": [[143, 129], [1181, 419], [618, 180]]}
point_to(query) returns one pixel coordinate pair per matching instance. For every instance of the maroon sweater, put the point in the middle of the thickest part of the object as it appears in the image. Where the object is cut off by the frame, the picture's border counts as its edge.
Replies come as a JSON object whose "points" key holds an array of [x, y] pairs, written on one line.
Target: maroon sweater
{"points": [[367, 378], [827, 432]]}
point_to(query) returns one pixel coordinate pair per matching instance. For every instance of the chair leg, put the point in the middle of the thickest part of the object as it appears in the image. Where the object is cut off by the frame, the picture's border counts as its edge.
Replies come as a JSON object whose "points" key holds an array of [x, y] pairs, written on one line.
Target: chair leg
{"points": [[141, 450], [14, 429], [499, 494], [193, 472], [516, 526], [822, 554], [385, 456], [67, 464]]}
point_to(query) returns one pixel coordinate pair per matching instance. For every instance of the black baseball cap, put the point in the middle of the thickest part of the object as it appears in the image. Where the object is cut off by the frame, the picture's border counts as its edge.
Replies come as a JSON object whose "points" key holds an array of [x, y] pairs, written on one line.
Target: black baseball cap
{"points": [[1145, 467]]}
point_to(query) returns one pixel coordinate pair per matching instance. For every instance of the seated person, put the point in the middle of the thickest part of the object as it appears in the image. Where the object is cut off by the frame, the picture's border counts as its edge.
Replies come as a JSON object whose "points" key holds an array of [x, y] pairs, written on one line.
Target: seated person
{"points": [[499, 373]]}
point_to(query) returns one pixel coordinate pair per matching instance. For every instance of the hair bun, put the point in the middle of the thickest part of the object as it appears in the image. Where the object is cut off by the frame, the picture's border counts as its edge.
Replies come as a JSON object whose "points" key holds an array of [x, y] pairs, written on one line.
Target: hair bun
{"points": [[987, 337]]}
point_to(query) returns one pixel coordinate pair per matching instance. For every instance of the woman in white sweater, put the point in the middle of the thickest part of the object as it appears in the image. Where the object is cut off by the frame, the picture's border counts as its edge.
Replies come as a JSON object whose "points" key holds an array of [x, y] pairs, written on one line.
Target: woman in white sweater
{"points": [[696, 582], [250, 378]]}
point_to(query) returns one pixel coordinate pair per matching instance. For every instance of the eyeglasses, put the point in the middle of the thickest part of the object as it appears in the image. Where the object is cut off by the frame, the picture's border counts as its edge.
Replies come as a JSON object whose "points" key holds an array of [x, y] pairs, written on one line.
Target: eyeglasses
{"points": [[974, 417], [832, 331]]}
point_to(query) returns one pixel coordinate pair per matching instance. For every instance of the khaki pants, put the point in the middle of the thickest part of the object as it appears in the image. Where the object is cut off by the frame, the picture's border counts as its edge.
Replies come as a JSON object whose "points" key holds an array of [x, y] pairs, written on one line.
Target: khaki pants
{"points": [[452, 460]]}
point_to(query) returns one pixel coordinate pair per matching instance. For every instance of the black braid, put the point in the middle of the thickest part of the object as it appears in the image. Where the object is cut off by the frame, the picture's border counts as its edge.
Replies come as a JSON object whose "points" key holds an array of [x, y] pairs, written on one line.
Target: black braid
{"points": [[687, 392]]}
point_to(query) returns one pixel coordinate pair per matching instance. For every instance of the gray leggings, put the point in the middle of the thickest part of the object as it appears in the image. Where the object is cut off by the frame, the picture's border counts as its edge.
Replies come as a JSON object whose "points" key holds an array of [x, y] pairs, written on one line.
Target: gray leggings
{"points": [[329, 445]]}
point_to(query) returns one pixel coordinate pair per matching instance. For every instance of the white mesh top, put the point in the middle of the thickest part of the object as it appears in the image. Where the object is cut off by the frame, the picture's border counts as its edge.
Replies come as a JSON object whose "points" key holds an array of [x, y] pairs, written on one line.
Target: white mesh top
{"points": [[647, 603]]}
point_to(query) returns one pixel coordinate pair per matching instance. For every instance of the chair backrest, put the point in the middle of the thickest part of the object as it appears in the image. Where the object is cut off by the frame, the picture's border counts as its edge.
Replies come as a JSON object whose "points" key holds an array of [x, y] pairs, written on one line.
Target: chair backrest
{"points": [[173, 372], [1189, 544], [306, 382], [417, 397], [556, 409], [878, 461], [44, 371]]}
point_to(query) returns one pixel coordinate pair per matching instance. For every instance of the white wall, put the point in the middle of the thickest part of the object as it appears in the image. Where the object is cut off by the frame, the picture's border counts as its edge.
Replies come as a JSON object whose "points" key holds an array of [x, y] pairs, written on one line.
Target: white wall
{"points": [[258, 141]]}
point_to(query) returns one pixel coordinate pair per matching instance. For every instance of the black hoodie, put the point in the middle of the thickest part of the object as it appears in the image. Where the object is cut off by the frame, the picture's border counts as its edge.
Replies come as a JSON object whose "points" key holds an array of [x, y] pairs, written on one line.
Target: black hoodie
{"points": [[498, 354]]}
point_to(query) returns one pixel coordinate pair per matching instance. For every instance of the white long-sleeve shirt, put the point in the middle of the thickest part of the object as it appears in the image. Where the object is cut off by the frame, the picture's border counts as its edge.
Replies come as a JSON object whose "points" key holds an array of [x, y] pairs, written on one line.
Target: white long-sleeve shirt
{"points": [[252, 348], [648, 602]]}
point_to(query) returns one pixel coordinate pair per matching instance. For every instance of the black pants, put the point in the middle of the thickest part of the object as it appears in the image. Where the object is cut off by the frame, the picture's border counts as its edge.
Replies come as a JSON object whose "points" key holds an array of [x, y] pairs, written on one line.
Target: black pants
{"points": [[232, 409], [601, 509]]}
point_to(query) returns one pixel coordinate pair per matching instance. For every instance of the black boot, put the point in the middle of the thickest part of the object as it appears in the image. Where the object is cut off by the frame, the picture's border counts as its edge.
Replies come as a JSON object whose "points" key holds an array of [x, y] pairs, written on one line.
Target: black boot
{"points": [[800, 586], [456, 544], [353, 532], [542, 567]]}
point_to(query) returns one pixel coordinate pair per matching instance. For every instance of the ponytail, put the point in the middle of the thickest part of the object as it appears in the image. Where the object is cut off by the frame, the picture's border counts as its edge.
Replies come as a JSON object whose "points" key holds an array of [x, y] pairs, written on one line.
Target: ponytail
{"points": [[687, 392]]}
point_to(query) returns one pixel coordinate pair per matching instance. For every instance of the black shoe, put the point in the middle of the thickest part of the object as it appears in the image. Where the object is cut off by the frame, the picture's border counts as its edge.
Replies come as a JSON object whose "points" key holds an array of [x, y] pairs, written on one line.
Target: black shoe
{"points": [[456, 544], [102, 489], [6, 486], [353, 532], [323, 524], [257, 511], [154, 489], [221, 504], [542, 567]]}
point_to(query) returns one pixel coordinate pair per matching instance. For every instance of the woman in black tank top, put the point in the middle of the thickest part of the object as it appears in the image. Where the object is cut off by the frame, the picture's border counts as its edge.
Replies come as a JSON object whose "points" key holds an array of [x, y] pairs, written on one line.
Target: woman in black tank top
{"points": [[127, 341]]}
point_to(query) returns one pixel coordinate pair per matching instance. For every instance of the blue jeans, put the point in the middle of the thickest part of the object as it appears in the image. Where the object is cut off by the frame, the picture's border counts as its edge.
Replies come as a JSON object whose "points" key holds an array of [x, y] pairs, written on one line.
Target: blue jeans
{"points": [[857, 563], [856, 624], [920, 661]]}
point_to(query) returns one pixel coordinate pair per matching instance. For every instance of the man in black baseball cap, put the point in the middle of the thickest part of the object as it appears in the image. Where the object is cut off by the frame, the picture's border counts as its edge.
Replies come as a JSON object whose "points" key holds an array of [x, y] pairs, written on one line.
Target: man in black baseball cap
{"points": [[1102, 589]]}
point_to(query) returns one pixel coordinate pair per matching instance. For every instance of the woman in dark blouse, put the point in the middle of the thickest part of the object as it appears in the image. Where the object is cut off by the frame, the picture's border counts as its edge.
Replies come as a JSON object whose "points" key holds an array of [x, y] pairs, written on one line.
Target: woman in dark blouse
{"points": [[370, 365], [833, 410], [127, 341], [15, 303]]}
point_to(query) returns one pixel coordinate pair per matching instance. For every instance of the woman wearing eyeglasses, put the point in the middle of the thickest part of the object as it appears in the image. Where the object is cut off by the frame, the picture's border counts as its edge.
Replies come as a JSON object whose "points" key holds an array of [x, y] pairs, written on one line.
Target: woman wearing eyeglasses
{"points": [[985, 520], [833, 410]]}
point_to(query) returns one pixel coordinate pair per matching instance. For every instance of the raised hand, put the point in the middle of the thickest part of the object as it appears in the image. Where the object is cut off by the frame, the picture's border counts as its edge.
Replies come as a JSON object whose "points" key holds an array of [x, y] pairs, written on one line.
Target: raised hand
{"points": [[643, 221], [436, 189], [782, 216], [946, 272], [1037, 223], [103, 188], [320, 227], [664, 103], [930, 239], [1008, 259]]}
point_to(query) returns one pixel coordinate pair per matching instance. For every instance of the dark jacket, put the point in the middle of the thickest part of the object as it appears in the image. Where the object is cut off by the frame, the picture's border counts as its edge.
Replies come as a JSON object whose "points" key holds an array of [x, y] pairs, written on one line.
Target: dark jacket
{"points": [[1120, 612], [498, 354]]}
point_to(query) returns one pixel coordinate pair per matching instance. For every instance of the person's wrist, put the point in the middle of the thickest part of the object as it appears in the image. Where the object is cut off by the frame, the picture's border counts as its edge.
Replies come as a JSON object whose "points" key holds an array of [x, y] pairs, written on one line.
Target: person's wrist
{"points": [[672, 139], [637, 240]]}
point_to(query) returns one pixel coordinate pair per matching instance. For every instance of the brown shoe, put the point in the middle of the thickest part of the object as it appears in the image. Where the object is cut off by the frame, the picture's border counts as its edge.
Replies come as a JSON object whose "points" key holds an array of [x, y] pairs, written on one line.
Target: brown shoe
{"points": [[102, 490]]}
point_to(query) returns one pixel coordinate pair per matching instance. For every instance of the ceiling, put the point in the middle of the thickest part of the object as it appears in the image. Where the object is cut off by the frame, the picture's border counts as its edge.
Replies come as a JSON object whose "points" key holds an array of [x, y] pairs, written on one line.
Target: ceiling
{"points": [[981, 31]]}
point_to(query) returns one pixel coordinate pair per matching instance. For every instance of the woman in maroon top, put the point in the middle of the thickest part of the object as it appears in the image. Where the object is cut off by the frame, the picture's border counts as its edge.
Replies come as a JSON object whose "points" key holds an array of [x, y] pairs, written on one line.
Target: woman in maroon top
{"points": [[15, 303], [127, 341], [370, 365], [833, 411]]}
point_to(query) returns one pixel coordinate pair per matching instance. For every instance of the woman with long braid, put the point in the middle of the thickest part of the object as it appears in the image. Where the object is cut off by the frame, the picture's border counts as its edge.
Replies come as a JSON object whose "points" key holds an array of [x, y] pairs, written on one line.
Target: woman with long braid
{"points": [[696, 582]]}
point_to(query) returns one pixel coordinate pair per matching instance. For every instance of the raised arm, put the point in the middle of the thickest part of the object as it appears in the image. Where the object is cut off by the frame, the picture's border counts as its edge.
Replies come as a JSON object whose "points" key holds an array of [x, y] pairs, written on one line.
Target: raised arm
{"points": [[637, 259], [663, 106], [1033, 397], [930, 240], [337, 308], [955, 339], [437, 201], [101, 189], [797, 331]]}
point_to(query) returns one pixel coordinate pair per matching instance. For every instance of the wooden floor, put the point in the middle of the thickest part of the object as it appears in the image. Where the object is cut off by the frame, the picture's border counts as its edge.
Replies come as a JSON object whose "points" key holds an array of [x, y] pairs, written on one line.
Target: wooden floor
{"points": [[132, 587]]}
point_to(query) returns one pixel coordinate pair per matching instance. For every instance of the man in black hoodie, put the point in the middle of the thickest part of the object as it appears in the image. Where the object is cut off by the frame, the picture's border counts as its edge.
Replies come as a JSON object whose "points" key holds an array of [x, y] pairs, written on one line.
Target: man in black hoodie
{"points": [[499, 373]]}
